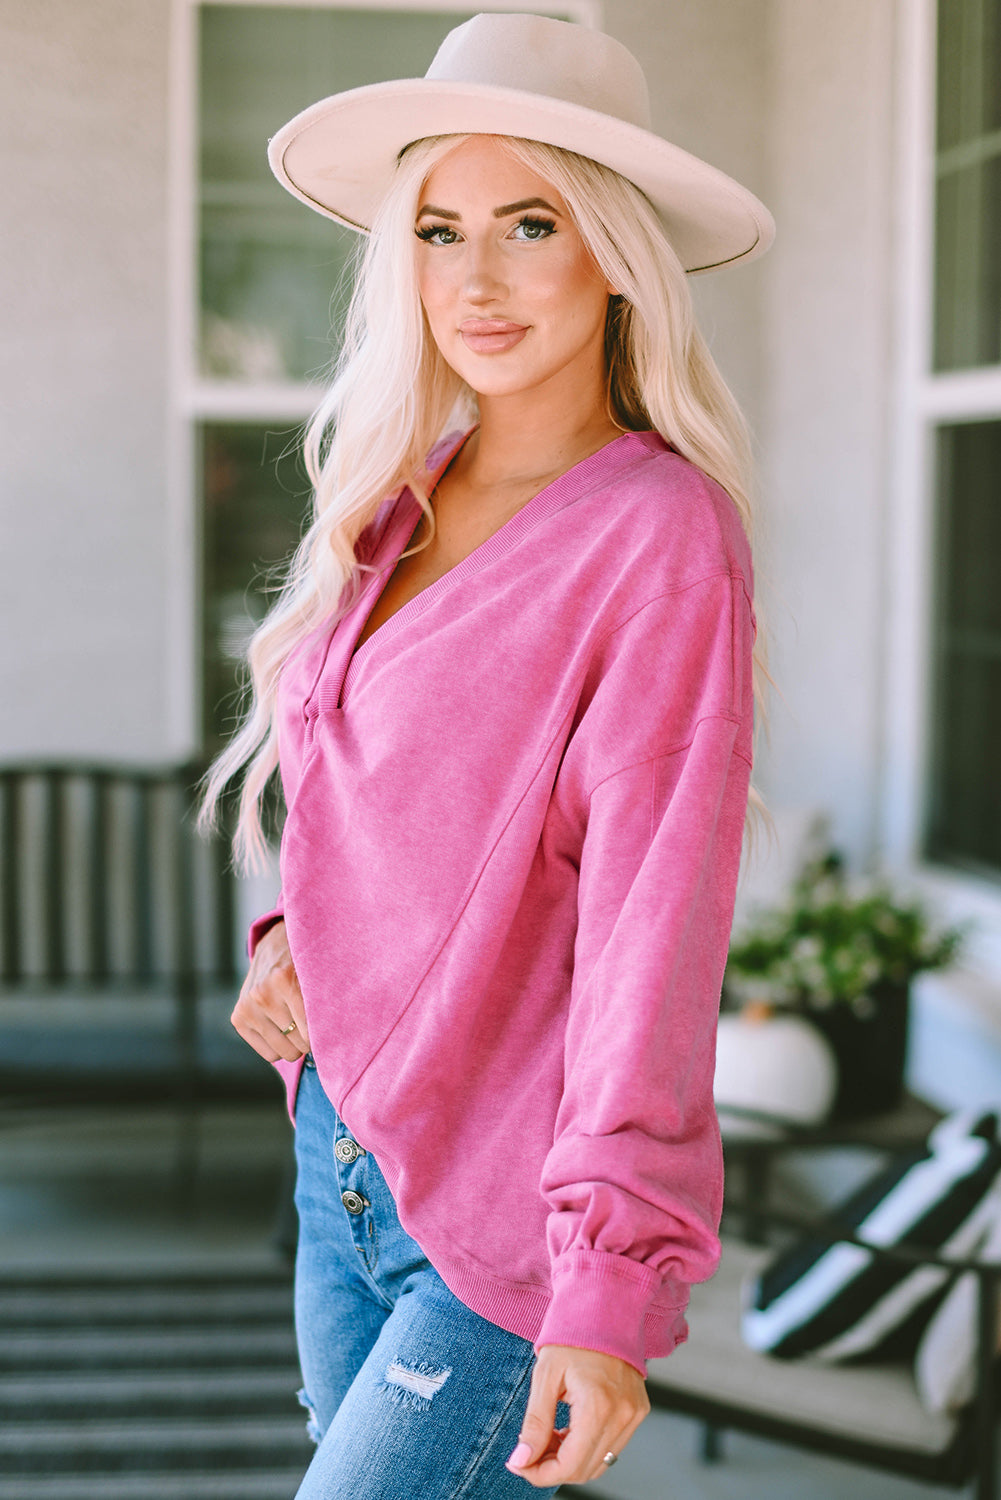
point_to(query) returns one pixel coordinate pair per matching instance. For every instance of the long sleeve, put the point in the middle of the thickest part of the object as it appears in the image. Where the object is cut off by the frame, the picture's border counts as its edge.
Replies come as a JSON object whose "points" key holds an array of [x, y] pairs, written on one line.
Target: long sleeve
{"points": [[262, 924], [634, 1178]]}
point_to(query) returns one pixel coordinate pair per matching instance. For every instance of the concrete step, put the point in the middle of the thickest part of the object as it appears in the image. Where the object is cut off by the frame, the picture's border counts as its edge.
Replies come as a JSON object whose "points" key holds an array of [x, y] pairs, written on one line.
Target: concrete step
{"points": [[263, 1484], [150, 1386], [160, 1444], [147, 1348], [100, 1395], [155, 1304]]}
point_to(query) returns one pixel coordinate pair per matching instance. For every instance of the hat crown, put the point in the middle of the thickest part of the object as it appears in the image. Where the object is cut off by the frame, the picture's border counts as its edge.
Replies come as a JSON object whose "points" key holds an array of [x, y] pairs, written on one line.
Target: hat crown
{"points": [[556, 59], [565, 85]]}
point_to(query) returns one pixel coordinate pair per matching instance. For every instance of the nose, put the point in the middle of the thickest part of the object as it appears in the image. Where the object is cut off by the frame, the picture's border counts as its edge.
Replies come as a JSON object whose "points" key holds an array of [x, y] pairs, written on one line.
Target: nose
{"points": [[483, 280]]}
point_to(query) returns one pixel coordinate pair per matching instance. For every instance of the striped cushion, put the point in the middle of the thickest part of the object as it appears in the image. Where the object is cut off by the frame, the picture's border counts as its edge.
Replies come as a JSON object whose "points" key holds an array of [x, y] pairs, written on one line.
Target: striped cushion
{"points": [[839, 1302]]}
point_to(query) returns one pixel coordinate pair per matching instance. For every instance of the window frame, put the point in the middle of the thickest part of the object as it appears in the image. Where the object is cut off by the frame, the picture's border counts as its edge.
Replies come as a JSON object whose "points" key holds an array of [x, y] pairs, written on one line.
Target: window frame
{"points": [[922, 399], [194, 398]]}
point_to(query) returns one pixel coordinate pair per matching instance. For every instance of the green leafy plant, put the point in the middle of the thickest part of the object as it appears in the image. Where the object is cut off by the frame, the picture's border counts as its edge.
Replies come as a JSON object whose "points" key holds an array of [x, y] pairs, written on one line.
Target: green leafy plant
{"points": [[835, 943]]}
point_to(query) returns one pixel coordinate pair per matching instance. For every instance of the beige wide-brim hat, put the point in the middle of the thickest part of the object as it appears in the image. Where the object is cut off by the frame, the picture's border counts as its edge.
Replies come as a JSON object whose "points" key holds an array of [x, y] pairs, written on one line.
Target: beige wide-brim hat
{"points": [[527, 76]]}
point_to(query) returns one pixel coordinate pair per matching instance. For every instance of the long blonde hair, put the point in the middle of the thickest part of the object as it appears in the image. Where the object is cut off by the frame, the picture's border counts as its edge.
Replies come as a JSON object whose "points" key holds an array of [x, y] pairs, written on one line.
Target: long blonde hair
{"points": [[393, 396]]}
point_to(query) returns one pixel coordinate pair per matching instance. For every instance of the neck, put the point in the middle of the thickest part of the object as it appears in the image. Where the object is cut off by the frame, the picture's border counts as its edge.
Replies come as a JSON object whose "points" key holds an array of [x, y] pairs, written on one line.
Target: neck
{"points": [[538, 433], [517, 443]]}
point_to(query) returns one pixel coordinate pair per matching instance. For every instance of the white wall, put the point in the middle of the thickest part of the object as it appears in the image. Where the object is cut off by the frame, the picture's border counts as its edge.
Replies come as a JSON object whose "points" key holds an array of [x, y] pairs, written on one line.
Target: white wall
{"points": [[796, 99], [825, 432], [707, 66], [82, 266]]}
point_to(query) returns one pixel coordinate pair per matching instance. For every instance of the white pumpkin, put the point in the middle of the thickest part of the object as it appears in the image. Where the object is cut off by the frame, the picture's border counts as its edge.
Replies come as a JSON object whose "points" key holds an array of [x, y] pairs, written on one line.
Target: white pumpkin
{"points": [[774, 1064]]}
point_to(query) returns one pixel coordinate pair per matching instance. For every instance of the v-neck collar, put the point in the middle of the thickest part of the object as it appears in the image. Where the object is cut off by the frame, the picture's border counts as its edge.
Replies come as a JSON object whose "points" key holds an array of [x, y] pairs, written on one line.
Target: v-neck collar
{"points": [[562, 491]]}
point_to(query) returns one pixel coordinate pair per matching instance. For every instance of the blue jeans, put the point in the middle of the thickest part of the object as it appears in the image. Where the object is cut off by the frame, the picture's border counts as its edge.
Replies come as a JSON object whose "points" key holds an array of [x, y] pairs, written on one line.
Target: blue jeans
{"points": [[411, 1394]]}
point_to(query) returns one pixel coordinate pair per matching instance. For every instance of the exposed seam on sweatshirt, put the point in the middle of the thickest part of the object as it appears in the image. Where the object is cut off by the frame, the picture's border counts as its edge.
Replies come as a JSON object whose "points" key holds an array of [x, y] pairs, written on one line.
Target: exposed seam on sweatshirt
{"points": [[672, 593], [674, 750], [463, 902]]}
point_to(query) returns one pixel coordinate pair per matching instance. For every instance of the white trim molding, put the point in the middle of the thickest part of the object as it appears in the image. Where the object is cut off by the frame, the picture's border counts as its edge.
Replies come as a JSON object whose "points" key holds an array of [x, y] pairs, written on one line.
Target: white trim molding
{"points": [[924, 399], [584, 12], [182, 666]]}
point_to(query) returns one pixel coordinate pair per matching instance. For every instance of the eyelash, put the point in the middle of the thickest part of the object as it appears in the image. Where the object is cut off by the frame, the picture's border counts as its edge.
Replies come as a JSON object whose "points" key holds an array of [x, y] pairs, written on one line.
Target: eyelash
{"points": [[530, 222], [427, 232]]}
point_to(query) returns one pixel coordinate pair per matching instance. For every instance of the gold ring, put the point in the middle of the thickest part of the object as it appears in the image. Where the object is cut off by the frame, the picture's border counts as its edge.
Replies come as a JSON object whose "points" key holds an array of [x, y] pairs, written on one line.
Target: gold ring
{"points": [[286, 1029]]}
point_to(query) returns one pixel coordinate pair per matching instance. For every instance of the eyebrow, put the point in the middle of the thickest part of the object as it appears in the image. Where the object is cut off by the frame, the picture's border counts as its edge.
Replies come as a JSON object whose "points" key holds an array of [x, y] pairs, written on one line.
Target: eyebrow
{"points": [[499, 213]]}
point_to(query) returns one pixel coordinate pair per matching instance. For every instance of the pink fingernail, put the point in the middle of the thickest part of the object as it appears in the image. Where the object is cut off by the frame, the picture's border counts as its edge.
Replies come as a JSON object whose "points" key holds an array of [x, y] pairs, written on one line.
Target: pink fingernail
{"points": [[519, 1458]]}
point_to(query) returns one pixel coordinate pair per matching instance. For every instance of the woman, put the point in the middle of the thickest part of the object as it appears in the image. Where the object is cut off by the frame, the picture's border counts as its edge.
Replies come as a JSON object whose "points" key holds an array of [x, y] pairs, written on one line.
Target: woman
{"points": [[509, 688]]}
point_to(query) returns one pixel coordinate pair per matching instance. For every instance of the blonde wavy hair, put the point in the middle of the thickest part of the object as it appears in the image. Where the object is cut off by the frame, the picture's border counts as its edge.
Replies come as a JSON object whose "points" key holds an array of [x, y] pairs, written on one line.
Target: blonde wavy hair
{"points": [[393, 397]]}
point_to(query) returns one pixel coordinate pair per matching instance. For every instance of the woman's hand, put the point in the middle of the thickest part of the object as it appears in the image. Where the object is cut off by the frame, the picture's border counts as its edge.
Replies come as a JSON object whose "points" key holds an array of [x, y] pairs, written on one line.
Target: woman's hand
{"points": [[270, 1013], [607, 1400]]}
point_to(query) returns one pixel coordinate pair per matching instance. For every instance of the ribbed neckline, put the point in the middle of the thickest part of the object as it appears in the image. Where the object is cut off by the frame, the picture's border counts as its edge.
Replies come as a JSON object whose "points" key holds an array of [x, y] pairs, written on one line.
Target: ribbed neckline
{"points": [[571, 486]]}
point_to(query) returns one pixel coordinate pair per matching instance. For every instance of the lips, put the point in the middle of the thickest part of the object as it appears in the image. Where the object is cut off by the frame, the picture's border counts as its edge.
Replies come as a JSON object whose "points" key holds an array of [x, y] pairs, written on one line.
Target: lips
{"points": [[491, 335]]}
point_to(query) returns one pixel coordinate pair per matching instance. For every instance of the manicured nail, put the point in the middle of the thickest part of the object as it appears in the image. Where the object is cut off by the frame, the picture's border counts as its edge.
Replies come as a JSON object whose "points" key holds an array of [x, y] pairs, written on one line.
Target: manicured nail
{"points": [[519, 1458]]}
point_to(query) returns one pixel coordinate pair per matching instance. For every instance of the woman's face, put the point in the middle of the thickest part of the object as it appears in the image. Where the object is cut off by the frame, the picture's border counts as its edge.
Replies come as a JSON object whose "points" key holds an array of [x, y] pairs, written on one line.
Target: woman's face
{"points": [[513, 298]]}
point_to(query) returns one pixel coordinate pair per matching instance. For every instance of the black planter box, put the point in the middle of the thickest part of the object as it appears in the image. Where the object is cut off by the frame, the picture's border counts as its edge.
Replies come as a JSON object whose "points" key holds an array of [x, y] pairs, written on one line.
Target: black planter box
{"points": [[871, 1050]]}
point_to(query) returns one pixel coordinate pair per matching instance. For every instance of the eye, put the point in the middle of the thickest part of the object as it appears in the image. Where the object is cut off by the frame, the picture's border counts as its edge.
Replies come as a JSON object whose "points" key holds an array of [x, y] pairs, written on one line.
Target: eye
{"points": [[533, 229], [437, 234]]}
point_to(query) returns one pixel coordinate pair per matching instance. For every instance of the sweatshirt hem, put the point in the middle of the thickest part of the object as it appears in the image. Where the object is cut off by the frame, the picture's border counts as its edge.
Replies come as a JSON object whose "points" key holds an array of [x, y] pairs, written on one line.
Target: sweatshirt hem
{"points": [[521, 1309]]}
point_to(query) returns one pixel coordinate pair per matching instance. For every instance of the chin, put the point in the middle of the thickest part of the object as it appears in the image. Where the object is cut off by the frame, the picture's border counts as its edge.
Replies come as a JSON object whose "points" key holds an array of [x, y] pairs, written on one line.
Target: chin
{"points": [[494, 375], [492, 382]]}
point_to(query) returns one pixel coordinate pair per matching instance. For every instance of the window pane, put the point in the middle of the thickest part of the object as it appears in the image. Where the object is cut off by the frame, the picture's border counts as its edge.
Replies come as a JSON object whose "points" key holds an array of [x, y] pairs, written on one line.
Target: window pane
{"points": [[255, 504], [268, 265], [965, 815], [969, 82], [968, 198], [968, 267]]}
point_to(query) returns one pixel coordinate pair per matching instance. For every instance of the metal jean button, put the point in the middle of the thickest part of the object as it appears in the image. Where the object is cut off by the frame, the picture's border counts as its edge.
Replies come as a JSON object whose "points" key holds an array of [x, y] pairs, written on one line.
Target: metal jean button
{"points": [[347, 1150], [354, 1202]]}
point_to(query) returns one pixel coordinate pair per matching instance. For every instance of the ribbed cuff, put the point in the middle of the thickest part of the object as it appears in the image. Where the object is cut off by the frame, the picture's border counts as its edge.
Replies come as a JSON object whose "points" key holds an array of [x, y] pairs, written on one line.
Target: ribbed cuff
{"points": [[600, 1302], [261, 925]]}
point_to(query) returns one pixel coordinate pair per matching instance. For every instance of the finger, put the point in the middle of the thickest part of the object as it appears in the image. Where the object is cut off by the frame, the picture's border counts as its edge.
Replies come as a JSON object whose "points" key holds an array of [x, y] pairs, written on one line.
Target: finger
{"points": [[279, 999], [539, 1423], [297, 1016], [614, 1443], [269, 1043], [596, 1428], [255, 1040], [262, 1024], [612, 1440], [573, 1460], [289, 1042], [286, 1012]]}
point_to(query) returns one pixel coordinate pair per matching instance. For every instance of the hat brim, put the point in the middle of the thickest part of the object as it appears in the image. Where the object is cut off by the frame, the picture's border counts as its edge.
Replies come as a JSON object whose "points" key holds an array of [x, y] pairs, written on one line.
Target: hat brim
{"points": [[339, 156]]}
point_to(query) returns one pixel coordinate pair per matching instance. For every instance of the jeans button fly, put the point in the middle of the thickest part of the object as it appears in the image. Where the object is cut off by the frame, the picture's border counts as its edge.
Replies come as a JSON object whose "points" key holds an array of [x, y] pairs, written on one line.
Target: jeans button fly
{"points": [[347, 1150], [354, 1202]]}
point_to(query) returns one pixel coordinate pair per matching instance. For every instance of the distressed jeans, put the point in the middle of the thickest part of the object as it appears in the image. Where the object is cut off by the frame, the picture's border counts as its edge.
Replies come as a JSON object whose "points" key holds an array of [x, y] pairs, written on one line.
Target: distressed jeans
{"points": [[411, 1395]]}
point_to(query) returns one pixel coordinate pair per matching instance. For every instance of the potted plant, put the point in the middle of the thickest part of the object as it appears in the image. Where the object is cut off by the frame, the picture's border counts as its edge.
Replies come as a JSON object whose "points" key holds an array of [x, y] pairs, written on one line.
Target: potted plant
{"points": [[843, 955]]}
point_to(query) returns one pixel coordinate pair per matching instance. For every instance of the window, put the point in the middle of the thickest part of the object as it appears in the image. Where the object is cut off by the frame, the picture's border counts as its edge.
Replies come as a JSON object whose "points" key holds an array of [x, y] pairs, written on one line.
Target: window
{"points": [[964, 824], [268, 266], [254, 496], [964, 803], [968, 185], [259, 284]]}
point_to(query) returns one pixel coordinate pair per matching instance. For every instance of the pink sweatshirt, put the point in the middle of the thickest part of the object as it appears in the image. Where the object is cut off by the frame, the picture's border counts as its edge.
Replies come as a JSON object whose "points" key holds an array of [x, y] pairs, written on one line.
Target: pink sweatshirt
{"points": [[508, 874]]}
